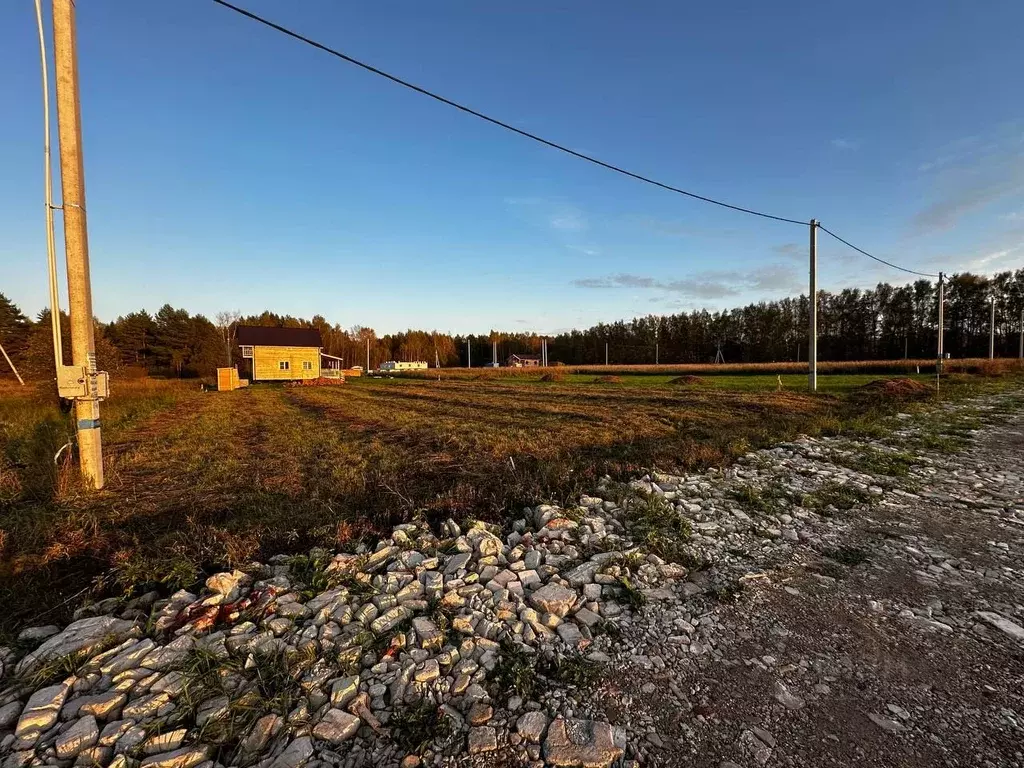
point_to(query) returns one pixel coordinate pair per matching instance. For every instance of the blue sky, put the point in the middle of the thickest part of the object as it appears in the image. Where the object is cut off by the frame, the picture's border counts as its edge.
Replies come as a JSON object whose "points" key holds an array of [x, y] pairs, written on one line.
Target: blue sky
{"points": [[229, 167]]}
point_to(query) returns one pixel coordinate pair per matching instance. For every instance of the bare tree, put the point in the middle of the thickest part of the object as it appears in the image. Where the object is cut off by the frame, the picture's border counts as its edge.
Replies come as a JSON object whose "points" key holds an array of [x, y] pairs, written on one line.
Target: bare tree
{"points": [[226, 322]]}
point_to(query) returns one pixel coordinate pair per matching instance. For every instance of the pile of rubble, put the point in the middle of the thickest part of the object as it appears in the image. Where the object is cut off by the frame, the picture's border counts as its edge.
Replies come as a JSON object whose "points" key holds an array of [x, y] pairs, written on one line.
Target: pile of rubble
{"points": [[461, 646]]}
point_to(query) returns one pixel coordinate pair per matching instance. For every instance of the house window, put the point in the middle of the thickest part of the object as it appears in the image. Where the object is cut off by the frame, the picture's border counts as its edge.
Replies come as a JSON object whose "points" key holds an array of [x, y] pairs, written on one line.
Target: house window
{"points": [[246, 351], [307, 366], [284, 365]]}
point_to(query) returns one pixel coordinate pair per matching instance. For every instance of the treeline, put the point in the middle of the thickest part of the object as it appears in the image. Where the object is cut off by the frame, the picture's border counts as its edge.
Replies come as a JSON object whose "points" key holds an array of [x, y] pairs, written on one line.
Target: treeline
{"points": [[886, 322]]}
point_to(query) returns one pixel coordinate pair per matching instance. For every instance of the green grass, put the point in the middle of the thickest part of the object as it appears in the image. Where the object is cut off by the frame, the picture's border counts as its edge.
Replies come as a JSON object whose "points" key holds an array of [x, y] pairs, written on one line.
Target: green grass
{"points": [[198, 482]]}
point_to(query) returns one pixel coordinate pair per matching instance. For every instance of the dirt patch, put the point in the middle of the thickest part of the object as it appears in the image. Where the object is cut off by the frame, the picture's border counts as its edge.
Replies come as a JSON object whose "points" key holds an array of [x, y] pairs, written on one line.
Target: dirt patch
{"points": [[688, 379], [608, 380], [897, 388], [553, 376]]}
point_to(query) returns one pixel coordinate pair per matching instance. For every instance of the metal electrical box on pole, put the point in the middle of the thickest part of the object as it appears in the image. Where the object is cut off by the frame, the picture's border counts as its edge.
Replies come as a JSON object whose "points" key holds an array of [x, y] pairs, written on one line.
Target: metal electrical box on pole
{"points": [[80, 381], [812, 330]]}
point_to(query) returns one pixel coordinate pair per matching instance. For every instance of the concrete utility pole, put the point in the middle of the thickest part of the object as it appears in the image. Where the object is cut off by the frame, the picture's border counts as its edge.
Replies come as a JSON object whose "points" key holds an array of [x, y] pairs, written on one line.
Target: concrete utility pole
{"points": [[469, 353], [1020, 353], [76, 241], [367, 354], [494, 353], [812, 331], [606, 353], [942, 328], [655, 353], [992, 331]]}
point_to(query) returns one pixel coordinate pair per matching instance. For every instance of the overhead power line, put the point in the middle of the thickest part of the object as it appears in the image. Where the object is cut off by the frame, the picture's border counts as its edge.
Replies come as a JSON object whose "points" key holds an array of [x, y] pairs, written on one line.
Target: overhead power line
{"points": [[534, 137], [870, 256], [495, 121]]}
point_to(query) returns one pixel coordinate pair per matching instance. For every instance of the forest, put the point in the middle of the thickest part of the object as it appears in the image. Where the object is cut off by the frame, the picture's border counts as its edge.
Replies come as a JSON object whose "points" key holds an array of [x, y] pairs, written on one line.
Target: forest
{"points": [[887, 322]]}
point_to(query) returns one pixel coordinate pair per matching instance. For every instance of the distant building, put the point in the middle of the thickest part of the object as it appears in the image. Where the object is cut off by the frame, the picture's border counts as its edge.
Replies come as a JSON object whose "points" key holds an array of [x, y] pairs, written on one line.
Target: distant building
{"points": [[392, 365], [523, 361], [281, 354]]}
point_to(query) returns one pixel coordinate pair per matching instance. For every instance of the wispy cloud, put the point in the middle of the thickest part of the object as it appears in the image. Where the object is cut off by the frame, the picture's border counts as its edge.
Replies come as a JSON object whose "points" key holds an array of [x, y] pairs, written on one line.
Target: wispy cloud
{"points": [[846, 144], [970, 195], [553, 214], [586, 250], [970, 174], [711, 284], [678, 228], [791, 250]]}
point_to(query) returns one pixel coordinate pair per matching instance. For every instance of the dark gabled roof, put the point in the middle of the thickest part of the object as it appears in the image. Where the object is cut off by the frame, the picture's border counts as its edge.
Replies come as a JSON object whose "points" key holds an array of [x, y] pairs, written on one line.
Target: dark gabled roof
{"points": [[260, 336]]}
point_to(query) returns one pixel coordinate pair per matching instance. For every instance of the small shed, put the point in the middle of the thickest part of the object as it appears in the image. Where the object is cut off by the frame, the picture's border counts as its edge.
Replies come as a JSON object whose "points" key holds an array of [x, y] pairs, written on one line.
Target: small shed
{"points": [[523, 361], [281, 354]]}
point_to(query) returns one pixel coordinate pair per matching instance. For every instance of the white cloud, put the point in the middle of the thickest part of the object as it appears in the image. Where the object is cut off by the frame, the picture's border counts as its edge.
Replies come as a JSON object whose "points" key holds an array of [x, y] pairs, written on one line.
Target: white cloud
{"points": [[776, 279], [841, 143]]}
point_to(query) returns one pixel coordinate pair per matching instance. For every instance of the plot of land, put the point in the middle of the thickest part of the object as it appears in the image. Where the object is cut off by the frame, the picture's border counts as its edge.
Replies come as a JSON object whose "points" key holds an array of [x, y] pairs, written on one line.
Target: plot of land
{"points": [[201, 480]]}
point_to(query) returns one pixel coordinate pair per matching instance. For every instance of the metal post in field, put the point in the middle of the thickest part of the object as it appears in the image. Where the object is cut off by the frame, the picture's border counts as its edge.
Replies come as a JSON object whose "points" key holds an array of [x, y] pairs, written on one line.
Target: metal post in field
{"points": [[992, 330], [812, 331], [76, 240]]}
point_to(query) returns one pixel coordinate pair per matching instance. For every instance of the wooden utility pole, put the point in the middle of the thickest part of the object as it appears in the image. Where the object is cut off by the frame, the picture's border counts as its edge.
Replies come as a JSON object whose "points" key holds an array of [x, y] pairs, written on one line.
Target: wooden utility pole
{"points": [[812, 331], [76, 241]]}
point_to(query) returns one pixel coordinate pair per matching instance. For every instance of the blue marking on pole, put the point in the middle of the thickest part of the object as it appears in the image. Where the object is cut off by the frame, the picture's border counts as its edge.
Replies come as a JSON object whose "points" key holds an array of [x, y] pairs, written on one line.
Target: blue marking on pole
{"points": [[88, 423]]}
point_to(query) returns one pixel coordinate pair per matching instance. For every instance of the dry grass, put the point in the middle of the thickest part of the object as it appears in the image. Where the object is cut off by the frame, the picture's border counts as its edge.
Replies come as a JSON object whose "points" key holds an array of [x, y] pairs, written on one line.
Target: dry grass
{"points": [[982, 366], [196, 482]]}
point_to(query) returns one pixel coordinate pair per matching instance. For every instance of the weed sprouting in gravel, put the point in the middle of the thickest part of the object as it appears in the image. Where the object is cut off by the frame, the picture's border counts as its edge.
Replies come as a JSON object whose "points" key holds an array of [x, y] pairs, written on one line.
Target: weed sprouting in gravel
{"points": [[573, 669], [835, 495], [632, 596], [847, 555], [416, 727]]}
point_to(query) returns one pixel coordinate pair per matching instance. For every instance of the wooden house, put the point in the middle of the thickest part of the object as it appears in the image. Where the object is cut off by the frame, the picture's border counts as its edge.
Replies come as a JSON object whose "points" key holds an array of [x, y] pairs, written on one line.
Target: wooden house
{"points": [[281, 354]]}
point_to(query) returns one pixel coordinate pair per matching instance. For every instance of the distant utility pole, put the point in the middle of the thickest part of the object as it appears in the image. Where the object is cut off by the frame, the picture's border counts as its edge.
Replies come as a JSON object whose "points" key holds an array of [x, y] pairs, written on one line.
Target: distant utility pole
{"points": [[655, 353], [812, 331], [367, 354], [469, 353], [942, 327], [76, 240], [494, 353], [606, 352], [992, 331], [1020, 353]]}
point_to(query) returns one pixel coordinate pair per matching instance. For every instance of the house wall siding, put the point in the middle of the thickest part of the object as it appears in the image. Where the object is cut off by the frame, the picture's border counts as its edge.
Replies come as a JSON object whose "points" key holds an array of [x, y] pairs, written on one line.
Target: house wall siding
{"points": [[266, 363]]}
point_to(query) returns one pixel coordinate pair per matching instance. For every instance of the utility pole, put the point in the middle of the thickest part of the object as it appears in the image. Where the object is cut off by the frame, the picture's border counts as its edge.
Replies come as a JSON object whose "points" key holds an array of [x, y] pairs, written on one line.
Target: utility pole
{"points": [[942, 326], [76, 240], [606, 353], [367, 354], [812, 331], [494, 353], [655, 353], [469, 353], [1020, 353], [992, 330]]}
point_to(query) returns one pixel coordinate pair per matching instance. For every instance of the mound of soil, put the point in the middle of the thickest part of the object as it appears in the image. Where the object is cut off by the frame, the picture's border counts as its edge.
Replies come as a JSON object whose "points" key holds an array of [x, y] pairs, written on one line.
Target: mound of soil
{"points": [[902, 388], [688, 379], [551, 377], [608, 380]]}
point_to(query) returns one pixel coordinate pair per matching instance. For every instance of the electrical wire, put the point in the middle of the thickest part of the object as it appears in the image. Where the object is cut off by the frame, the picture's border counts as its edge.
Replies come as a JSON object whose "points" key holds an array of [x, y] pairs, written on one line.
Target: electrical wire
{"points": [[534, 137], [870, 256], [51, 252], [495, 121]]}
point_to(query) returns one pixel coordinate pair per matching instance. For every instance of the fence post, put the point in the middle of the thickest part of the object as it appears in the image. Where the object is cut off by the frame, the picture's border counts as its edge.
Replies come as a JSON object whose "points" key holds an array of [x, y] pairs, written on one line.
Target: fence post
{"points": [[812, 331]]}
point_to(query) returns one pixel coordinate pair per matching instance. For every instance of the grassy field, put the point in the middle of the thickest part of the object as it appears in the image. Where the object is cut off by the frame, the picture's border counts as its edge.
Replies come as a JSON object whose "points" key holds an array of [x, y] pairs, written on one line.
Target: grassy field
{"points": [[198, 481]]}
